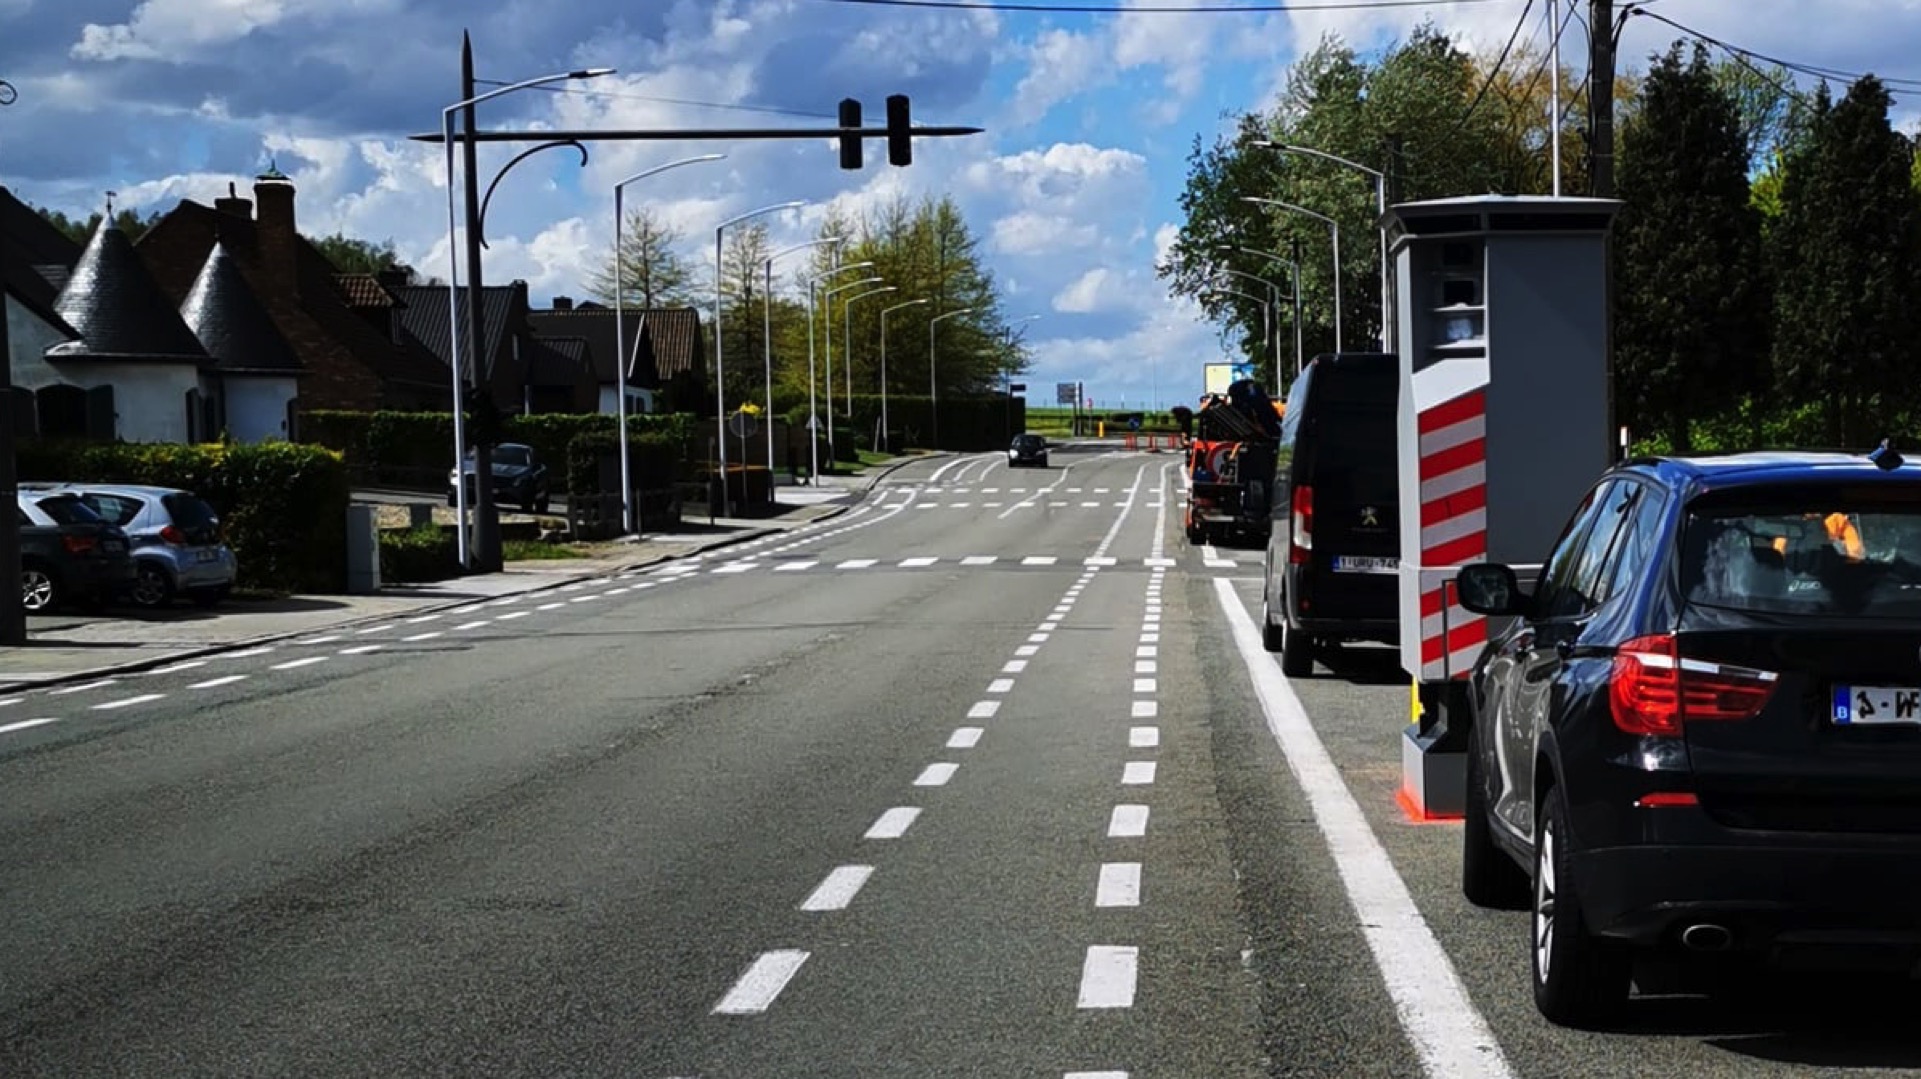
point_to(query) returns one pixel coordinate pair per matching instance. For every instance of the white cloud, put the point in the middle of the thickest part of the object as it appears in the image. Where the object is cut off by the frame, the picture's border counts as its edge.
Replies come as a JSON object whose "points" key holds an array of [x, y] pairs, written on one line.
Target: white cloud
{"points": [[1032, 233], [169, 29], [1096, 291]]}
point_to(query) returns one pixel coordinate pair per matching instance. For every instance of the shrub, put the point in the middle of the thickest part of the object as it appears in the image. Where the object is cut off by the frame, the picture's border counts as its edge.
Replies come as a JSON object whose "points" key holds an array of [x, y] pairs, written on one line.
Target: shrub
{"points": [[653, 459], [284, 505], [416, 448], [418, 555]]}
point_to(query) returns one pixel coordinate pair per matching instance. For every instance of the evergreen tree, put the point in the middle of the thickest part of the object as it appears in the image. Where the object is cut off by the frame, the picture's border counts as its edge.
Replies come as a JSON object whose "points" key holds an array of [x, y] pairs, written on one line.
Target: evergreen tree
{"points": [[1847, 252], [1691, 294]]}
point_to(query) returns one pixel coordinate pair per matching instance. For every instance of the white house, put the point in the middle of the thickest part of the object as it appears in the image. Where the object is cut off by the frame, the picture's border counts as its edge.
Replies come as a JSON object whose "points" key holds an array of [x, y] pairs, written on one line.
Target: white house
{"points": [[256, 375]]}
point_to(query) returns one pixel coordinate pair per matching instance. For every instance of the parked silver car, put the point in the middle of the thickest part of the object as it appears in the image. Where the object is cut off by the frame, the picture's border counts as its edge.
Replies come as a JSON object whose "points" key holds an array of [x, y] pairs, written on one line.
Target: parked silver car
{"points": [[177, 545]]}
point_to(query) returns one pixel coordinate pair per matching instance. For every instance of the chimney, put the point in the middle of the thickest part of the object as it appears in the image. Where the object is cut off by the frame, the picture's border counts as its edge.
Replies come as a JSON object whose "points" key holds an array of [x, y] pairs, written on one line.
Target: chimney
{"points": [[391, 278], [234, 204], [563, 303], [279, 242]]}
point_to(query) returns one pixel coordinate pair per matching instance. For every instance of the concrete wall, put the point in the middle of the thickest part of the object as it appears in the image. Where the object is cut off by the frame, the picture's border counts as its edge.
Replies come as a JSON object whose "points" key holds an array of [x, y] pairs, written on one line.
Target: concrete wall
{"points": [[257, 407]]}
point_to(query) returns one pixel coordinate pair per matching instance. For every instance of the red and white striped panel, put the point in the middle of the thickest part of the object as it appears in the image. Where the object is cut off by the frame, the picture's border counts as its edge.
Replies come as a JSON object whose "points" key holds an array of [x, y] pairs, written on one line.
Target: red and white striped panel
{"points": [[1453, 456]]}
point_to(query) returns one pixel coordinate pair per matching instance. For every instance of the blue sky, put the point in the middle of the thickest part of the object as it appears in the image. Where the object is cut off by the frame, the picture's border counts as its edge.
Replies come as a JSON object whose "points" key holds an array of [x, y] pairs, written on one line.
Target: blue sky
{"points": [[1071, 190]]}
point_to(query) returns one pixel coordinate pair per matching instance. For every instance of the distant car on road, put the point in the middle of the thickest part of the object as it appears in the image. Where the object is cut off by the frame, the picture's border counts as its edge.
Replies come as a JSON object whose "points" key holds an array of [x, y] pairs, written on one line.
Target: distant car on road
{"points": [[176, 539], [520, 478], [68, 553], [1027, 451], [1702, 732]]}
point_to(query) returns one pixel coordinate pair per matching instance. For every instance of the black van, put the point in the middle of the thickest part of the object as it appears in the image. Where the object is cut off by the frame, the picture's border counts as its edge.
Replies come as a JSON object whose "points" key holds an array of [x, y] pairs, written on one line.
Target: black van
{"points": [[1333, 554]]}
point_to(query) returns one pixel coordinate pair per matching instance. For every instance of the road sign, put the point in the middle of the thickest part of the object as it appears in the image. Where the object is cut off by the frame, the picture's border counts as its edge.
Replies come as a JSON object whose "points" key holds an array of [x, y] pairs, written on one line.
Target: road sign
{"points": [[743, 425], [1066, 393], [1219, 376], [1017, 387]]}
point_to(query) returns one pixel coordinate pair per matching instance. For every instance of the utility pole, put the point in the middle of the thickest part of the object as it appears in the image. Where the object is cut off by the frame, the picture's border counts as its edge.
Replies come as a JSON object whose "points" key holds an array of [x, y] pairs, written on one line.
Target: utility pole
{"points": [[13, 615], [1602, 40], [486, 549]]}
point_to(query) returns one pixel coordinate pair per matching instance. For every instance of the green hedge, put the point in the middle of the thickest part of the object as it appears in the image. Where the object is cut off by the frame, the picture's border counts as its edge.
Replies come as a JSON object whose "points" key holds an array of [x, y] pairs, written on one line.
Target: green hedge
{"points": [[284, 505], [653, 459], [416, 448], [418, 555]]}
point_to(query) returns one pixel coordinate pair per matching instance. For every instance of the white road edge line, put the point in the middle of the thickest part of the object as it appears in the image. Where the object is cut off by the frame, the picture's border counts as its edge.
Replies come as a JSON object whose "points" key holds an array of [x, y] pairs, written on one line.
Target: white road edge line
{"points": [[838, 889], [1108, 975], [755, 991], [1448, 1033]]}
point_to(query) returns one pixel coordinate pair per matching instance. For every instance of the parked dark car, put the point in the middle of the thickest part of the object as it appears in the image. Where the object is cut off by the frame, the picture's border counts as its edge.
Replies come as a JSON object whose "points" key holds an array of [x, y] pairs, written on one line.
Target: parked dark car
{"points": [[520, 478], [1702, 732], [1334, 544], [178, 549], [68, 553], [1028, 451]]}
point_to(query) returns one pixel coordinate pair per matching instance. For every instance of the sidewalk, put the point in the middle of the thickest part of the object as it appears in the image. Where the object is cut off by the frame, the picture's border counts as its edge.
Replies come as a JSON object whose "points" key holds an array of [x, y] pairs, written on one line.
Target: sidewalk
{"points": [[66, 647]]}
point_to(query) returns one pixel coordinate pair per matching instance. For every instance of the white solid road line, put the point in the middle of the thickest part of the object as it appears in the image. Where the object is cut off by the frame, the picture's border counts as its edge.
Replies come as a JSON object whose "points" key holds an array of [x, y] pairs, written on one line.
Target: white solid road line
{"points": [[1448, 1033], [128, 702], [1108, 976], [965, 738], [893, 824], [1138, 773], [292, 663], [26, 724], [755, 991], [1128, 822], [983, 710], [1143, 737], [1119, 886], [936, 775], [838, 889], [216, 683]]}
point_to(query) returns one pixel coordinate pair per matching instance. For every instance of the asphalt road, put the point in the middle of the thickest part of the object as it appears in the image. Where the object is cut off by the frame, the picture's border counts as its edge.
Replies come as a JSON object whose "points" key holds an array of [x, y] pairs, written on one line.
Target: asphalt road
{"points": [[976, 779]]}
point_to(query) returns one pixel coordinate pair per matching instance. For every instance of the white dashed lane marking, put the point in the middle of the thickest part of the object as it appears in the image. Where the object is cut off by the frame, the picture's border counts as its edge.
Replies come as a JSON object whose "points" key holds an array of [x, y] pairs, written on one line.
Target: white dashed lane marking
{"points": [[839, 889], [893, 824], [1138, 773], [26, 724], [293, 663], [1144, 737], [965, 738], [984, 710], [936, 775], [364, 649], [65, 690], [1119, 885], [1128, 822], [128, 702], [216, 683], [1108, 977], [757, 989]]}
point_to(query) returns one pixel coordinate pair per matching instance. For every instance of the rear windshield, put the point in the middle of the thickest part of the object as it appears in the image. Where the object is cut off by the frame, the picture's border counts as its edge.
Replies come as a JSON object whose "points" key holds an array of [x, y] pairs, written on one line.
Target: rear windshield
{"points": [[1814, 559], [68, 510], [513, 455], [189, 512]]}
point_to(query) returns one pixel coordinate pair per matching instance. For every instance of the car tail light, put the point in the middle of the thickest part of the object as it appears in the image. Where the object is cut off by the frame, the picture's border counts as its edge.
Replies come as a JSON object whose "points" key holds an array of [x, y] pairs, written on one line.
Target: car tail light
{"points": [[173, 536], [78, 544], [1652, 690], [1667, 800], [1303, 525]]}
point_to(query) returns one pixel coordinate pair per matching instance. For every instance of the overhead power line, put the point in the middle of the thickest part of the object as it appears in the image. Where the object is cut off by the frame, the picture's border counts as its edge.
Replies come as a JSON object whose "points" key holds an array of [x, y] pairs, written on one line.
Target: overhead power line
{"points": [[1495, 72], [1118, 9], [1800, 67]]}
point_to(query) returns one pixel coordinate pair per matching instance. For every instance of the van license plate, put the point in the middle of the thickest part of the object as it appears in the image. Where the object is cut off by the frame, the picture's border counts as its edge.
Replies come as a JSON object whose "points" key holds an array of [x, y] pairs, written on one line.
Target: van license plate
{"points": [[1357, 564], [1866, 706]]}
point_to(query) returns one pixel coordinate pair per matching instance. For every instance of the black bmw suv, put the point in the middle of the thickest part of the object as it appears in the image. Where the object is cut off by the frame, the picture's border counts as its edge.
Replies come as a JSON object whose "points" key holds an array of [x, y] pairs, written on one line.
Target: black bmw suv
{"points": [[1702, 731]]}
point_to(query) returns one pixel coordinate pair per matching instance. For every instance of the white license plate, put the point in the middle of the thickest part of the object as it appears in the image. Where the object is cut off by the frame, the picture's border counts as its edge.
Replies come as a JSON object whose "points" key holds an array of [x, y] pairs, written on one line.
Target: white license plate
{"points": [[1358, 564], [1867, 706], [207, 556]]}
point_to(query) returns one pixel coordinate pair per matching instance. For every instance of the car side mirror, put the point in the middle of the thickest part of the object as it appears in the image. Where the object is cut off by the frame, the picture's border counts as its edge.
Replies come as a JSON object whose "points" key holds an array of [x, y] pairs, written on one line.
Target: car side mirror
{"points": [[1489, 588]]}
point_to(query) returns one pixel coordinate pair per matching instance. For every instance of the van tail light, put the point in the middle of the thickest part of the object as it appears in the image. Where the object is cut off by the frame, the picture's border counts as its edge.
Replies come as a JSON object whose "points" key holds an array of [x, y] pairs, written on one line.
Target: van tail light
{"points": [[173, 536], [1652, 690], [78, 544], [1303, 526]]}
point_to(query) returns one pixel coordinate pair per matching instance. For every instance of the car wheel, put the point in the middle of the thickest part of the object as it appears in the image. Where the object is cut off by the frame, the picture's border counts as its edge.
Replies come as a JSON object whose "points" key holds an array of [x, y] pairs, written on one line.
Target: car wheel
{"points": [[1580, 980], [210, 597], [1272, 636], [1489, 878], [1297, 652], [39, 591], [151, 586]]}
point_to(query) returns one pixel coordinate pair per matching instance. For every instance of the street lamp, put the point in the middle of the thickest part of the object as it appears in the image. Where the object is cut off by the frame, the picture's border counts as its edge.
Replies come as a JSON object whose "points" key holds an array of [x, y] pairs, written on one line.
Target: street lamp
{"points": [[1267, 309], [767, 333], [812, 413], [847, 334], [1294, 276], [1380, 221], [1332, 224], [461, 544], [720, 338], [623, 356], [885, 311], [933, 369]]}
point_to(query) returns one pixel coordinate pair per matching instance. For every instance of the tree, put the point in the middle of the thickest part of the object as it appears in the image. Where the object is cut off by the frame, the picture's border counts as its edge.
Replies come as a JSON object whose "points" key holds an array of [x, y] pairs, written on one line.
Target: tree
{"points": [[652, 272], [1691, 291], [350, 255], [80, 231], [745, 249], [1847, 252]]}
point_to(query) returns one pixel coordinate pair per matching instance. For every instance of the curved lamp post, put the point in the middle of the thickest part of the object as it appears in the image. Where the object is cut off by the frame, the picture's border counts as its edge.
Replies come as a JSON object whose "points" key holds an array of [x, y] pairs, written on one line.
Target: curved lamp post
{"points": [[461, 542], [847, 334], [887, 444], [720, 338], [767, 333], [812, 411], [624, 356], [1267, 308], [933, 368], [1380, 220], [1332, 224], [1294, 271]]}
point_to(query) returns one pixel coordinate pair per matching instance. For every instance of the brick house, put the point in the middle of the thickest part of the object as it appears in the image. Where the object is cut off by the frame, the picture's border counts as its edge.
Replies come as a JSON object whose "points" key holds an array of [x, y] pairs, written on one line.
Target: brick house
{"points": [[667, 367], [525, 376]]}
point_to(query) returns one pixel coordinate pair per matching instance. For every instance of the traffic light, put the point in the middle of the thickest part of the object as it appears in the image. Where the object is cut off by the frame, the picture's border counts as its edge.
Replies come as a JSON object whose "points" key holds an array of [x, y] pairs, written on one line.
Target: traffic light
{"points": [[1017, 387], [850, 143], [900, 141]]}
